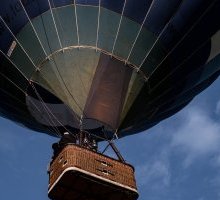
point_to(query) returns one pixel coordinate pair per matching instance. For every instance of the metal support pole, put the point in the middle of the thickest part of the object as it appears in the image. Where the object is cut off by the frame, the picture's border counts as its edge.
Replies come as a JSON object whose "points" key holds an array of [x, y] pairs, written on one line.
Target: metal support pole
{"points": [[81, 138], [117, 152]]}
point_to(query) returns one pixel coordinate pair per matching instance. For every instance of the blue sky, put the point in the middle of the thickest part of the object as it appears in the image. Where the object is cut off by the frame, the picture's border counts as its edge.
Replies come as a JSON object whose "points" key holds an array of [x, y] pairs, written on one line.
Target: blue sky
{"points": [[179, 159]]}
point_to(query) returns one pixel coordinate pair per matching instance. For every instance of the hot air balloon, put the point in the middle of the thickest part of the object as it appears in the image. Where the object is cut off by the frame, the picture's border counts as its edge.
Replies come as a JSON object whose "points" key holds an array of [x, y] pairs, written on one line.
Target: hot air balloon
{"points": [[102, 68]]}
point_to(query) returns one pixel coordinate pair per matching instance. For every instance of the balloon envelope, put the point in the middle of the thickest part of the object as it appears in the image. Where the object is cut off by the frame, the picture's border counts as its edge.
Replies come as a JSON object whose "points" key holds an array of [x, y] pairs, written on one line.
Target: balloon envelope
{"points": [[123, 65]]}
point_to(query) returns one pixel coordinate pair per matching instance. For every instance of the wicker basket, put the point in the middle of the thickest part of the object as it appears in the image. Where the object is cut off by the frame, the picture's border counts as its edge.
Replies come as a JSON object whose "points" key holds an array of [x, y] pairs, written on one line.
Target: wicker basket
{"points": [[78, 171]]}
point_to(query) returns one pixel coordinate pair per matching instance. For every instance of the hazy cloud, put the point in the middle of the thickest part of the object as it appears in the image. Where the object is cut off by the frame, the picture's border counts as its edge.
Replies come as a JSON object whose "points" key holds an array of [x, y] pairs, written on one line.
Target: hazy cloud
{"points": [[198, 135], [155, 174], [218, 108]]}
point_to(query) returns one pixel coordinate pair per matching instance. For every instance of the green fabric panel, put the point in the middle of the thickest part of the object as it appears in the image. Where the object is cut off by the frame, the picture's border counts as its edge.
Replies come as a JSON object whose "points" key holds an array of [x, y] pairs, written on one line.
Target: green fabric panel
{"points": [[49, 78], [74, 69], [66, 24], [24, 64], [39, 78], [31, 44], [87, 21], [135, 86], [69, 74], [83, 63], [108, 26], [51, 72], [215, 45], [127, 34], [143, 46], [45, 28]]}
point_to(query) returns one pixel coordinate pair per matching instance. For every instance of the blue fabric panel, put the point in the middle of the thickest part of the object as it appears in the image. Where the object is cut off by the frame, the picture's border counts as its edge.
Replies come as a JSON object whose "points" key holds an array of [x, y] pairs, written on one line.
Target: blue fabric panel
{"points": [[160, 14], [179, 82], [190, 57], [187, 96], [195, 40], [168, 113], [163, 114], [5, 38], [186, 16], [137, 10], [15, 111], [193, 43], [15, 17], [114, 5], [202, 74], [181, 74], [35, 7]]}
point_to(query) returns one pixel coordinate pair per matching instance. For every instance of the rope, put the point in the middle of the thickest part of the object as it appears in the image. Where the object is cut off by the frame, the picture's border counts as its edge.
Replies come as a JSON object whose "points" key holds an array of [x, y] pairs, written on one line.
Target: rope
{"points": [[97, 34], [12, 81], [155, 42], [36, 66], [64, 83], [145, 18], [33, 27], [13, 64], [186, 59], [47, 109], [21, 91], [54, 22], [119, 26], [184, 36], [17, 41], [54, 129], [77, 26], [18, 70], [59, 74]]}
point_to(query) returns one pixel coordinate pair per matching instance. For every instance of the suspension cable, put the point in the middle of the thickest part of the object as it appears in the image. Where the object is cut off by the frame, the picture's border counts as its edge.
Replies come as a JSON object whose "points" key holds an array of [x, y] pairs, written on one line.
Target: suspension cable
{"points": [[98, 22], [119, 27], [161, 33], [178, 66], [138, 34], [55, 26], [184, 36], [77, 26], [17, 41], [24, 94], [33, 27]]}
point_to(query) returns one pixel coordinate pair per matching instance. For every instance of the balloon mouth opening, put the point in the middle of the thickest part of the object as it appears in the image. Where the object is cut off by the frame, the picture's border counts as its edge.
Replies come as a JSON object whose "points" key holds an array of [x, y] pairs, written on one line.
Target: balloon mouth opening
{"points": [[50, 111]]}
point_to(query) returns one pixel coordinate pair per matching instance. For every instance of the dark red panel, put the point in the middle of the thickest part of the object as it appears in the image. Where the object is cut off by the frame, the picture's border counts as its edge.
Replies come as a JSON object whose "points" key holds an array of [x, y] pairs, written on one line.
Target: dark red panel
{"points": [[108, 91]]}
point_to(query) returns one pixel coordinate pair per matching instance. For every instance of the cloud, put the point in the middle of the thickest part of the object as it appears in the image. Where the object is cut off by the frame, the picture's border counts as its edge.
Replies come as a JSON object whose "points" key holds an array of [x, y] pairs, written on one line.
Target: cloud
{"points": [[217, 111], [155, 174], [198, 135]]}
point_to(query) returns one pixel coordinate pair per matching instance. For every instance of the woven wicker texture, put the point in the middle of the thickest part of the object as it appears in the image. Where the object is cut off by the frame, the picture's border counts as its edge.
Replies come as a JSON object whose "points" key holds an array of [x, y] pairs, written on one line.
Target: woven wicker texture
{"points": [[94, 163]]}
